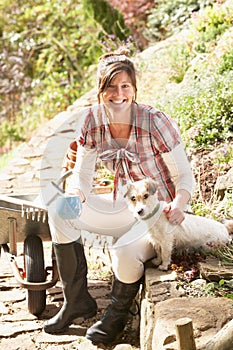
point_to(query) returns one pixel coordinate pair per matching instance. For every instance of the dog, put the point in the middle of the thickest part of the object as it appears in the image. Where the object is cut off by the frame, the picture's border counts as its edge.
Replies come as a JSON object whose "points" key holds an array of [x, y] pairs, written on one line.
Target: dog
{"points": [[194, 232]]}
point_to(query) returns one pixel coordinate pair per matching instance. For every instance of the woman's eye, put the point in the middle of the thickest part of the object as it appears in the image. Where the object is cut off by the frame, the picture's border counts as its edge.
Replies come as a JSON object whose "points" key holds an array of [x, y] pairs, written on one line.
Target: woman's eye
{"points": [[146, 196]]}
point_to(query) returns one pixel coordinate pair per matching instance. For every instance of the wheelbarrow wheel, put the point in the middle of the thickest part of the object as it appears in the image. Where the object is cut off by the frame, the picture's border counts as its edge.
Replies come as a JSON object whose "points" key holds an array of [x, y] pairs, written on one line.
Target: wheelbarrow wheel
{"points": [[35, 272]]}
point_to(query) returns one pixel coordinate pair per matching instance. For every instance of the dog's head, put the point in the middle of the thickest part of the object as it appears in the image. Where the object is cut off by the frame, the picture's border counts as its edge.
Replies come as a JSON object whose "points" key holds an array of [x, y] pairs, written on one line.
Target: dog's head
{"points": [[141, 197]]}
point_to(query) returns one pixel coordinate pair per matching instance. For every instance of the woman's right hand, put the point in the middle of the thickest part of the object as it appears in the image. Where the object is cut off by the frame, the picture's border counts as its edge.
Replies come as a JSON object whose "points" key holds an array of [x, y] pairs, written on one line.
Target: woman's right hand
{"points": [[77, 192]]}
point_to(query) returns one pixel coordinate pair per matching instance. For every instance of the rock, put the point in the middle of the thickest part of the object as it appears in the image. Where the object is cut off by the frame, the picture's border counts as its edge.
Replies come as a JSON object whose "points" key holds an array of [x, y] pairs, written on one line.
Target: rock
{"points": [[224, 183], [86, 345], [8, 329], [161, 308], [123, 347], [223, 339], [47, 338], [212, 270], [13, 295], [3, 309], [208, 316], [22, 342]]}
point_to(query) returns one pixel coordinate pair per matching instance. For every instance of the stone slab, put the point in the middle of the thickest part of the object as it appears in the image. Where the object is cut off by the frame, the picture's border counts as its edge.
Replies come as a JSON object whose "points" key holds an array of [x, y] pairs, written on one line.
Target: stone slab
{"points": [[12, 295], [8, 329]]}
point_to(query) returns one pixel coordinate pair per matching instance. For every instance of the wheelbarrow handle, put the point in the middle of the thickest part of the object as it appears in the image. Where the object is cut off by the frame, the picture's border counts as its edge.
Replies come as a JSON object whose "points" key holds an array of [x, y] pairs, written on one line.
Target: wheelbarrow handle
{"points": [[36, 286], [64, 177], [57, 184]]}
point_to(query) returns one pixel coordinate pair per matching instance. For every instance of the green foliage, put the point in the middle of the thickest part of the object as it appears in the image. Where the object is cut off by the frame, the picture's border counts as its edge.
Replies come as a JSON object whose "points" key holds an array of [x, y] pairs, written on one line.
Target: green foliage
{"points": [[180, 57], [169, 16], [226, 63], [205, 114], [221, 288], [215, 208], [225, 253], [105, 15], [224, 157], [10, 133], [210, 24], [58, 45]]}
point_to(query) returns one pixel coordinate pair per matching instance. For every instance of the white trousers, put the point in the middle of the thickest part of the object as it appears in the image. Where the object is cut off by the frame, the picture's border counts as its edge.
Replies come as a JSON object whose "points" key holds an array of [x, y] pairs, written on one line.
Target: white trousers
{"points": [[130, 247]]}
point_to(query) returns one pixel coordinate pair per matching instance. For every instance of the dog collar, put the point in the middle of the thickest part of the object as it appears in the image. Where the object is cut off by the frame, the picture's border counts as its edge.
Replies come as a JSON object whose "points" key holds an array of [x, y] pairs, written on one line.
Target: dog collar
{"points": [[156, 209]]}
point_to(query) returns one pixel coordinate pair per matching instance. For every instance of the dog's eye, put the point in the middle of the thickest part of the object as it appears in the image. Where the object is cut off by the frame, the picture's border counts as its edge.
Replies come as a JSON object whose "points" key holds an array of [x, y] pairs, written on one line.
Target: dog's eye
{"points": [[146, 196], [133, 198]]}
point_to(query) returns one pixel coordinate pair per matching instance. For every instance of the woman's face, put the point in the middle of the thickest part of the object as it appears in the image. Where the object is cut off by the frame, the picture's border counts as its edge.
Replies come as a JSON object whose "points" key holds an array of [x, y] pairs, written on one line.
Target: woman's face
{"points": [[120, 93]]}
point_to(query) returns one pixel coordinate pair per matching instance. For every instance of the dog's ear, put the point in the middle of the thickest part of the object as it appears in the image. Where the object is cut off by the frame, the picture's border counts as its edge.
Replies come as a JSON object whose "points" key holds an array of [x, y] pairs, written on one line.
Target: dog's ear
{"points": [[126, 188], [152, 186]]}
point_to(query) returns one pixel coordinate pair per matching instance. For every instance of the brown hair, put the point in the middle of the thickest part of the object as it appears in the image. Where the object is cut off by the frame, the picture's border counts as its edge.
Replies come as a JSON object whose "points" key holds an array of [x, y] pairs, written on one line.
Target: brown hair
{"points": [[110, 64]]}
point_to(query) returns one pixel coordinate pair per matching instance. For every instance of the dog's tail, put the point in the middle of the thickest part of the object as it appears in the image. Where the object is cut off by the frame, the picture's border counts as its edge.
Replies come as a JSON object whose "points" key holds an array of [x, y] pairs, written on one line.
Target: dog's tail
{"points": [[229, 225]]}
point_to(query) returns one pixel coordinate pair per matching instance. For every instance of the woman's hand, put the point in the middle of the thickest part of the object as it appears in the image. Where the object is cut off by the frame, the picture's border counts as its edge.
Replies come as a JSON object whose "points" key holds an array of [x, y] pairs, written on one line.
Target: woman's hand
{"points": [[77, 192], [175, 216], [175, 210]]}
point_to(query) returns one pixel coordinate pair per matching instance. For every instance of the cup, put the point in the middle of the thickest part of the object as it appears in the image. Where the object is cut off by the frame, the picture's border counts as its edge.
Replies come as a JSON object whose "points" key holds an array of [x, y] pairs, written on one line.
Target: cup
{"points": [[68, 207]]}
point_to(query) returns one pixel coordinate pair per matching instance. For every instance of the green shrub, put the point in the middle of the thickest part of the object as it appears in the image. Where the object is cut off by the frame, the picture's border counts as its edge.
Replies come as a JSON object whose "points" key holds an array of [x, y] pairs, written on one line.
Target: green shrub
{"points": [[226, 63], [179, 58], [10, 133], [205, 116], [56, 45], [210, 24], [169, 16]]}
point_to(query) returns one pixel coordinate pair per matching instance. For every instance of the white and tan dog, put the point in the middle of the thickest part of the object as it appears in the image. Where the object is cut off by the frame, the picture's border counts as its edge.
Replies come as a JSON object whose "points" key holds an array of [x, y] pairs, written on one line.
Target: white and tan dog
{"points": [[194, 232]]}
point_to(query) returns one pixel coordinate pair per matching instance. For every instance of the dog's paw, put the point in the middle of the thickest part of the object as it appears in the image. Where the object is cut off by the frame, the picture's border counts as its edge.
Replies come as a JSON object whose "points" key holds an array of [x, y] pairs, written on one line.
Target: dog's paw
{"points": [[156, 261], [163, 267]]}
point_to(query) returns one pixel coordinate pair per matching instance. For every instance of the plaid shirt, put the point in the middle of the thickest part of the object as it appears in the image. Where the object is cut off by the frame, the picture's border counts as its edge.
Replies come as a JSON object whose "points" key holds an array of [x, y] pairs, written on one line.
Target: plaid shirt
{"points": [[152, 133]]}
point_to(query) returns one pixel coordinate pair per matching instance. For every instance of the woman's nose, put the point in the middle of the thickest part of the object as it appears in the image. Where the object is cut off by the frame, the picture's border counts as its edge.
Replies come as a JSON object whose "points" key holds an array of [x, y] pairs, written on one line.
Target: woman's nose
{"points": [[117, 91]]}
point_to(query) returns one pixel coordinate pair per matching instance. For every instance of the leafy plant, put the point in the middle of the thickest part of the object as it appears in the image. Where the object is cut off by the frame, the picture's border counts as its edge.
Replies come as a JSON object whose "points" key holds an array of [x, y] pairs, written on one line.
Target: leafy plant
{"points": [[224, 157], [180, 57], [205, 115], [11, 133], [169, 16], [226, 63], [210, 24], [221, 288], [49, 52]]}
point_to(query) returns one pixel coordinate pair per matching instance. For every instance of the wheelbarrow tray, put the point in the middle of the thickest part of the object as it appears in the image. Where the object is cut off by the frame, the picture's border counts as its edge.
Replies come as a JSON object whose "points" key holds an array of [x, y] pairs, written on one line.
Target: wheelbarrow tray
{"points": [[25, 214]]}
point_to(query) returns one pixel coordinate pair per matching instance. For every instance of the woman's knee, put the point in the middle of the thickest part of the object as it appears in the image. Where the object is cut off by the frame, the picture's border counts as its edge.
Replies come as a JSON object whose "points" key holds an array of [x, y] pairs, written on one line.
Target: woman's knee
{"points": [[126, 267]]}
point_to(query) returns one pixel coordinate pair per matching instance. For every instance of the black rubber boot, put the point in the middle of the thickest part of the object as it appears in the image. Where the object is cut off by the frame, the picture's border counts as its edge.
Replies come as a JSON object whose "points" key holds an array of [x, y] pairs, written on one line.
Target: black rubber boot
{"points": [[72, 267], [115, 317]]}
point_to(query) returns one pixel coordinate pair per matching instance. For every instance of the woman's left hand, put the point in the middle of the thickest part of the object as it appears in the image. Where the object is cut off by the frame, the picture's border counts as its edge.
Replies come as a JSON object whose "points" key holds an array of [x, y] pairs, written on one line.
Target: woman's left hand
{"points": [[175, 209], [174, 215]]}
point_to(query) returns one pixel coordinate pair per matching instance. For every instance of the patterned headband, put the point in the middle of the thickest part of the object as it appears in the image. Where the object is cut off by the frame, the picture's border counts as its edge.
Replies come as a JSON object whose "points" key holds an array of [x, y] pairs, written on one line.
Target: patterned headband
{"points": [[111, 59]]}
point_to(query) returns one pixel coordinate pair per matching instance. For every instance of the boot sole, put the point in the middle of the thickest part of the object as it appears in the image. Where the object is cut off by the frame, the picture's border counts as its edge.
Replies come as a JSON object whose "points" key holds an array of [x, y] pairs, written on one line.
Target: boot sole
{"points": [[108, 341], [65, 328]]}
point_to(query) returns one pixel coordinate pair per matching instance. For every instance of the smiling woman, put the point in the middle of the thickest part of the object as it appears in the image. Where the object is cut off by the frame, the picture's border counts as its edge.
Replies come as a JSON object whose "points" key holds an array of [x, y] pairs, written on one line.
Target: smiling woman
{"points": [[133, 141]]}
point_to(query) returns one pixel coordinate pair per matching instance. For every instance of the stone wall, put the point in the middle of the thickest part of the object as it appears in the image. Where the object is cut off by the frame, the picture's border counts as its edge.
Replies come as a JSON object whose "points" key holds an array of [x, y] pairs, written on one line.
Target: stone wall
{"points": [[164, 301]]}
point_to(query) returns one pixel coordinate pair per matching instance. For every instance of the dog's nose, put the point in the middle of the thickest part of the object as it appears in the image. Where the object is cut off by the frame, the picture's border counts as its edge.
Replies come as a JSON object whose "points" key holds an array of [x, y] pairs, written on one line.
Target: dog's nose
{"points": [[140, 212]]}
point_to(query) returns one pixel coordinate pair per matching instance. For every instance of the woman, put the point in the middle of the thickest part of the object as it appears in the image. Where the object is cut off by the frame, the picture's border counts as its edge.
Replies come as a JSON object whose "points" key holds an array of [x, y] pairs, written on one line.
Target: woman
{"points": [[133, 141]]}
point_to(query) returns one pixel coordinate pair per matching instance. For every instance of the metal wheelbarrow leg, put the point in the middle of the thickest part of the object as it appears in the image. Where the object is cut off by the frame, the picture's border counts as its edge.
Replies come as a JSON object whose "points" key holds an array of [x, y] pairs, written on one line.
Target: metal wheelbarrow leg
{"points": [[33, 276]]}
